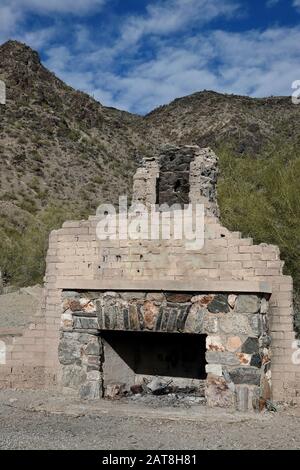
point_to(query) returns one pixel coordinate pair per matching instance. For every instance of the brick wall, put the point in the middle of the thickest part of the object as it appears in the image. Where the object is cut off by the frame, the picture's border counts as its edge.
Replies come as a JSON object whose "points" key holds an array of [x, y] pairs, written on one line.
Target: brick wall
{"points": [[23, 356], [75, 254]]}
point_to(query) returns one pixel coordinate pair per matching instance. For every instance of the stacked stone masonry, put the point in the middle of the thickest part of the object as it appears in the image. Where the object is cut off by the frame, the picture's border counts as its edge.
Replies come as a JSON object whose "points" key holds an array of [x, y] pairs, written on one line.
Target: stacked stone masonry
{"points": [[77, 257], [236, 329]]}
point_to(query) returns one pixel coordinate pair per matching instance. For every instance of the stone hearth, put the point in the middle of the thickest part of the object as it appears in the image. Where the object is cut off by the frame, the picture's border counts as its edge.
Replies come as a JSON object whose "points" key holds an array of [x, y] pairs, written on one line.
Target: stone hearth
{"points": [[119, 339]]}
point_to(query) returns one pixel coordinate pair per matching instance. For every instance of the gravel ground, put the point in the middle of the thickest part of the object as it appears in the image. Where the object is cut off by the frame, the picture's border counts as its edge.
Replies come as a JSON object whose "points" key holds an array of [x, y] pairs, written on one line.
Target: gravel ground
{"points": [[17, 308], [41, 420]]}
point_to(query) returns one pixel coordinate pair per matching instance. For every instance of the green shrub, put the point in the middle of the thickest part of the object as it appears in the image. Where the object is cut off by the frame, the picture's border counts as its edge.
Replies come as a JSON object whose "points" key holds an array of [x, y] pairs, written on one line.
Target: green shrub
{"points": [[261, 198]]}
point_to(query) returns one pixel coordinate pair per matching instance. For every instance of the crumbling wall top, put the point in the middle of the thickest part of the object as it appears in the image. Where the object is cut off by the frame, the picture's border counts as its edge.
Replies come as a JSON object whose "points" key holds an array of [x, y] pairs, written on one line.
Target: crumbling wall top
{"points": [[179, 175]]}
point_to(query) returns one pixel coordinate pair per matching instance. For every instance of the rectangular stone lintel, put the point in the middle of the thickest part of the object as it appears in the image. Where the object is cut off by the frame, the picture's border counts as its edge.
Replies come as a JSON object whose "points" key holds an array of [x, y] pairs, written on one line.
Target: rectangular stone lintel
{"points": [[169, 285]]}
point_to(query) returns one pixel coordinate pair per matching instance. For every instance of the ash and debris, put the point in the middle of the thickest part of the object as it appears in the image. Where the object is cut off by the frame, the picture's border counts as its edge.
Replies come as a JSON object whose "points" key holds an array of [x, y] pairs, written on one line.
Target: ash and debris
{"points": [[158, 393]]}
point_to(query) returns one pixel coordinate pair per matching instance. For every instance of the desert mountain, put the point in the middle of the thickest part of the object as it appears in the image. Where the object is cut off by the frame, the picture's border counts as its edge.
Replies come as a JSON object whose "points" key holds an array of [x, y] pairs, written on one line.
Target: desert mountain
{"points": [[62, 153]]}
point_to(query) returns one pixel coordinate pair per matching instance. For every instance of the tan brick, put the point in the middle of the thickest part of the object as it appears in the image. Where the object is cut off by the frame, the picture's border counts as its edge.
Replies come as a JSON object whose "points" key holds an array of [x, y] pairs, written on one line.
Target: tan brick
{"points": [[237, 241], [230, 265], [266, 272], [239, 257]]}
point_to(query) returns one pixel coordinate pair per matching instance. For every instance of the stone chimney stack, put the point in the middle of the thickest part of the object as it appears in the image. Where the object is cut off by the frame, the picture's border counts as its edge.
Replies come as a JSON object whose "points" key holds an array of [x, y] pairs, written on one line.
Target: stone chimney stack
{"points": [[179, 175]]}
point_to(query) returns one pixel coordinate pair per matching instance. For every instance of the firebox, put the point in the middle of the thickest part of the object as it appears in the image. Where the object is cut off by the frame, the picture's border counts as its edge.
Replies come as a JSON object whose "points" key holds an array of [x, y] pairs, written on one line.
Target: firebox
{"points": [[153, 354], [117, 340]]}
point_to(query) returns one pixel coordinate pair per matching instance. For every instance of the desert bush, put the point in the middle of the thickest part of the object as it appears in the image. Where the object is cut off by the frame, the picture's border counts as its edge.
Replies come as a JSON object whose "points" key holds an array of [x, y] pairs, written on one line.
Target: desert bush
{"points": [[261, 198], [22, 255]]}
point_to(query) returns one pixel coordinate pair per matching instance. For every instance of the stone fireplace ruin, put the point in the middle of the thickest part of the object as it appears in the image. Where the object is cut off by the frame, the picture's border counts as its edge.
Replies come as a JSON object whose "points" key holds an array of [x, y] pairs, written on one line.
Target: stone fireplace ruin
{"points": [[124, 314], [149, 309]]}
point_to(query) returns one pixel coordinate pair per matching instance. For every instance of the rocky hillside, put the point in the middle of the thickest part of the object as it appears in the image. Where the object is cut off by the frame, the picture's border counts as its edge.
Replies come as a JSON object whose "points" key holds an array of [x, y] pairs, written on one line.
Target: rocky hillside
{"points": [[62, 153], [57, 144], [245, 125]]}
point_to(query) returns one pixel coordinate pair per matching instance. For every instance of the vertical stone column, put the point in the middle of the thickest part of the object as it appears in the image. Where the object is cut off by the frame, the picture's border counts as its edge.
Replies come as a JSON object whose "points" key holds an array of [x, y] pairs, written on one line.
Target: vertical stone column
{"points": [[203, 180], [80, 348], [144, 183], [238, 353]]}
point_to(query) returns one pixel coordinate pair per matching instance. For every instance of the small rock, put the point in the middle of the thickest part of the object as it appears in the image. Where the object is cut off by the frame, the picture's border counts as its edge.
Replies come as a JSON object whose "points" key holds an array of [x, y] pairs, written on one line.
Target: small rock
{"points": [[219, 304], [224, 358], [203, 300], [114, 391], [218, 393], [178, 298], [92, 348], [88, 307], [251, 346], [150, 314], [12, 400], [194, 321], [137, 389], [214, 369], [232, 299], [86, 323], [235, 324], [155, 297], [74, 305], [90, 391], [210, 323], [158, 387], [93, 375], [264, 341], [214, 343], [70, 294], [110, 294], [264, 308], [67, 320], [233, 343], [244, 359], [256, 360], [245, 375], [247, 304], [242, 398], [256, 324]]}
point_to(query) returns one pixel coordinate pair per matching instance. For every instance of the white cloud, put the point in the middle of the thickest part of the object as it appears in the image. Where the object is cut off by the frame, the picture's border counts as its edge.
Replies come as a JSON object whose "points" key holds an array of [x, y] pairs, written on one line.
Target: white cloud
{"points": [[171, 73], [77, 7], [151, 59], [296, 4], [272, 3], [39, 38], [257, 63], [14, 12], [164, 18], [8, 19]]}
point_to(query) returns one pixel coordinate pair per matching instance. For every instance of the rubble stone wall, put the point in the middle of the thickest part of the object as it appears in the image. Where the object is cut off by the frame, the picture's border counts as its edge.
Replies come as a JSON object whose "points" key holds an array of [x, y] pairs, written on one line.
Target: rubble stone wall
{"points": [[236, 328]]}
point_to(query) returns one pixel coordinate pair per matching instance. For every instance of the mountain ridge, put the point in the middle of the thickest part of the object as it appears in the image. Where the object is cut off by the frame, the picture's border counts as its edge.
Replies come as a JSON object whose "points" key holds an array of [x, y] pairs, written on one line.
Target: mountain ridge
{"points": [[62, 153]]}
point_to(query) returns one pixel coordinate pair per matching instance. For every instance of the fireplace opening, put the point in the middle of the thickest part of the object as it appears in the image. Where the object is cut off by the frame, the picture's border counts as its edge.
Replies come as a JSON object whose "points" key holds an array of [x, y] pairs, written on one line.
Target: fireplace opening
{"points": [[131, 354]]}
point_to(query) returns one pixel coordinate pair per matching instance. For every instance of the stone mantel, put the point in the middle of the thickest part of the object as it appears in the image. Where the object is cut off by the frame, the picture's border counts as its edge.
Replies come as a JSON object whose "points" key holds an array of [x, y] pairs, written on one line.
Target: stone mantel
{"points": [[259, 287]]}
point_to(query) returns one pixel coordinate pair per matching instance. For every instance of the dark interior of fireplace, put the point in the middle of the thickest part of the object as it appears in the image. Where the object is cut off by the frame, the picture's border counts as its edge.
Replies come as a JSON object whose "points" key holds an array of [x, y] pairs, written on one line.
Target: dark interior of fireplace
{"points": [[160, 354]]}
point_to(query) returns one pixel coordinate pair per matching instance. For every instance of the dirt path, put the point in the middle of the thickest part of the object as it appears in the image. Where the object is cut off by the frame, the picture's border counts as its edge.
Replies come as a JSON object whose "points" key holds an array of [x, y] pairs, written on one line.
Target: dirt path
{"points": [[39, 420]]}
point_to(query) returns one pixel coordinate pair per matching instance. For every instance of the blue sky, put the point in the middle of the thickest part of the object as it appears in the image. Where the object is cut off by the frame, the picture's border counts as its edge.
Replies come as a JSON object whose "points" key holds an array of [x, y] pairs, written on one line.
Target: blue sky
{"points": [[139, 54]]}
